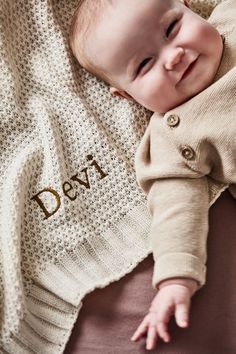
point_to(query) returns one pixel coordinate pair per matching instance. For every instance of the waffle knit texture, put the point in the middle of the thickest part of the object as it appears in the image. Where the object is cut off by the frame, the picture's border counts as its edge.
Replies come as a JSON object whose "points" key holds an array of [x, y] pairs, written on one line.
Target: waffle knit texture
{"points": [[179, 152], [72, 217]]}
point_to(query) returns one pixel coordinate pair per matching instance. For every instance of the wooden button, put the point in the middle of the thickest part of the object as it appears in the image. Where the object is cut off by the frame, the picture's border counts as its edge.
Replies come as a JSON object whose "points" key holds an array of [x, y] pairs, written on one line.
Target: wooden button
{"points": [[173, 120], [187, 152]]}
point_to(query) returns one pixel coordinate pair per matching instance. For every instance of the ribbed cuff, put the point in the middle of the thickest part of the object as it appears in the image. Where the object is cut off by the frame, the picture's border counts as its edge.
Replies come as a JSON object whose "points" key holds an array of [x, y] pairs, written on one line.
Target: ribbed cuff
{"points": [[182, 265]]}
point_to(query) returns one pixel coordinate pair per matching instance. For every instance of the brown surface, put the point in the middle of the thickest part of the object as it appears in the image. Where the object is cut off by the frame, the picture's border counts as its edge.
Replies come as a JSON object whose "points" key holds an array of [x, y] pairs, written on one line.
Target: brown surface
{"points": [[109, 316]]}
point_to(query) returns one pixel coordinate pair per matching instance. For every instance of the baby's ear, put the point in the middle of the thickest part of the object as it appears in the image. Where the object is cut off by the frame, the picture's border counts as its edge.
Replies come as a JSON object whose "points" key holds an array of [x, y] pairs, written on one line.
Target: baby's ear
{"points": [[120, 93]]}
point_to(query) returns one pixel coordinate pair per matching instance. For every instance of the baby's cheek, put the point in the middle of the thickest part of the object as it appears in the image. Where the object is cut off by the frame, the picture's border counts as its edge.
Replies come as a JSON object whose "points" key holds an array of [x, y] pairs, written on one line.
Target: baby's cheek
{"points": [[153, 87], [155, 100], [153, 90], [149, 98], [205, 34]]}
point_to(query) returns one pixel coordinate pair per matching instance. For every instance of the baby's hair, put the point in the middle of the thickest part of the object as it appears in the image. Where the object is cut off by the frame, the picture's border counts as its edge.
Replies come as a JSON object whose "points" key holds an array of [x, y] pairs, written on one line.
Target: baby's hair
{"points": [[83, 21]]}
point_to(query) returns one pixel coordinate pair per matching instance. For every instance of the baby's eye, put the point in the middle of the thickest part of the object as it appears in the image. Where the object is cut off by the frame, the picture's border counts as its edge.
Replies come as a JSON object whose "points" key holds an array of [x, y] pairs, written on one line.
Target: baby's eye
{"points": [[143, 63], [171, 27]]}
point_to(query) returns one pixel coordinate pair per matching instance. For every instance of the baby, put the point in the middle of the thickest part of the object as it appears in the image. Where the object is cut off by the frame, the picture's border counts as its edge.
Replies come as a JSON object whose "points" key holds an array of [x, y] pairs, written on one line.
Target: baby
{"points": [[167, 58]]}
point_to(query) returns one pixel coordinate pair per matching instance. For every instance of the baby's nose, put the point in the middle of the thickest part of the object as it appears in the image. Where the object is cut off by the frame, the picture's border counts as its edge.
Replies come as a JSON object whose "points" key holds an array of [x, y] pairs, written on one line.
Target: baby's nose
{"points": [[174, 58]]}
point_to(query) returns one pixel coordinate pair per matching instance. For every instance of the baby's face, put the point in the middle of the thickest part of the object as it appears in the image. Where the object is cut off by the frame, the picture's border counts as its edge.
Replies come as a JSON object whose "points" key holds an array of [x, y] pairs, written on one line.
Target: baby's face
{"points": [[158, 52]]}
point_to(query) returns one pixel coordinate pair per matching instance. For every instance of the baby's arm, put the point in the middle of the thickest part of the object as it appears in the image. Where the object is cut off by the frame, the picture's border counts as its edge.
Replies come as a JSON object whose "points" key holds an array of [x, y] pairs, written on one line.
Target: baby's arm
{"points": [[173, 298], [179, 228], [179, 208]]}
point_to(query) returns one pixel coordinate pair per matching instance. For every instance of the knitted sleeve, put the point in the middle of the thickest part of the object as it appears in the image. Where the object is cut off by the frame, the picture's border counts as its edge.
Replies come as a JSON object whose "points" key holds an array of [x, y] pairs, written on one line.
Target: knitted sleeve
{"points": [[178, 199], [179, 208]]}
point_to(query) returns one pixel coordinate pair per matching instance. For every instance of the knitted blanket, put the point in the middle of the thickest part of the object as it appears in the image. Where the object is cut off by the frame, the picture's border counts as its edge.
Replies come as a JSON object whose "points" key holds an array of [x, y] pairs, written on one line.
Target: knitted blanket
{"points": [[71, 215]]}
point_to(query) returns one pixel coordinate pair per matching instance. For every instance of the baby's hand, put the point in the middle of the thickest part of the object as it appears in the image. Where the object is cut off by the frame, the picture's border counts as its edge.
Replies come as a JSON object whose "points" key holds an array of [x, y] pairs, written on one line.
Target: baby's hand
{"points": [[172, 298]]}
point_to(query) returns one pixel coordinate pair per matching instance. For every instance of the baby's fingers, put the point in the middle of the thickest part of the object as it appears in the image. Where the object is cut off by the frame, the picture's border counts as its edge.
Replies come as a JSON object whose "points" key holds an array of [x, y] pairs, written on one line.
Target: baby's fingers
{"points": [[152, 337], [182, 314], [163, 331], [141, 330]]}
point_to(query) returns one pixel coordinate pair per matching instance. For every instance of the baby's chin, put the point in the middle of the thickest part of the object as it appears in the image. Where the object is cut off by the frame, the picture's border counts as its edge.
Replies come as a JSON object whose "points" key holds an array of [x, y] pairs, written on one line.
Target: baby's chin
{"points": [[172, 102], [170, 106], [162, 109]]}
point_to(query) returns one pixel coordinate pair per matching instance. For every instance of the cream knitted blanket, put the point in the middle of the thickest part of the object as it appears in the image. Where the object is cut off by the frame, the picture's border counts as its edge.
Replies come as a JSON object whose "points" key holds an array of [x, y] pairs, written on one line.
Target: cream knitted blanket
{"points": [[71, 215]]}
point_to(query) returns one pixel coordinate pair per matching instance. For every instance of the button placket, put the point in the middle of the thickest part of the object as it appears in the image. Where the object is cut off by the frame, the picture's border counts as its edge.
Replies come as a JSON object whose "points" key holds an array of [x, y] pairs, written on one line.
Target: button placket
{"points": [[187, 152]]}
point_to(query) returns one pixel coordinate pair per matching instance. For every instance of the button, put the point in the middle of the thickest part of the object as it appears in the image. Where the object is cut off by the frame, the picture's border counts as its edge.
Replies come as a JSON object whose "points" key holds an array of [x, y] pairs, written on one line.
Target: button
{"points": [[187, 152], [173, 120]]}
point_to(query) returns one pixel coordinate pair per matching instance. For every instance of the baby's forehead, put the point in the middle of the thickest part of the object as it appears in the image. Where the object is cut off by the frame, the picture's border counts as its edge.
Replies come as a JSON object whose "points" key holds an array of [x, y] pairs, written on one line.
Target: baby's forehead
{"points": [[122, 24], [122, 14], [126, 7], [125, 17]]}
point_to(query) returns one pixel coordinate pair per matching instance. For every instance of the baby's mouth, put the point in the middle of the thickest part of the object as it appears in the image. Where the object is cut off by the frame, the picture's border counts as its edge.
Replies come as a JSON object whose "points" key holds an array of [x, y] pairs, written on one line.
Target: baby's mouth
{"points": [[189, 69]]}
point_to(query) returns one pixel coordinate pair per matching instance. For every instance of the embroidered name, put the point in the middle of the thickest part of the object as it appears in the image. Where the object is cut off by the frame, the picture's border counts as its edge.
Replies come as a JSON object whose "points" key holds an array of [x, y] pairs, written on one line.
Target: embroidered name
{"points": [[67, 188]]}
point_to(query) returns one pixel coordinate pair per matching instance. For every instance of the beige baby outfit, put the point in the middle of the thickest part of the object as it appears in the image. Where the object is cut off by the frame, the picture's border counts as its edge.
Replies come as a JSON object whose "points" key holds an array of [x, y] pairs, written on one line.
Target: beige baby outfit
{"points": [[178, 154]]}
